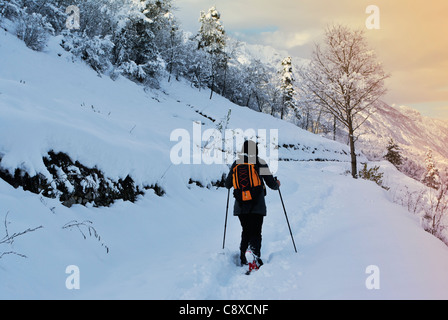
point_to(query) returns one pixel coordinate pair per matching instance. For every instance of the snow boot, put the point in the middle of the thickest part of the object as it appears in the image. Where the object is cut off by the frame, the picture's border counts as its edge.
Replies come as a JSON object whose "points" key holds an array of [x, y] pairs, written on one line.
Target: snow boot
{"points": [[254, 262]]}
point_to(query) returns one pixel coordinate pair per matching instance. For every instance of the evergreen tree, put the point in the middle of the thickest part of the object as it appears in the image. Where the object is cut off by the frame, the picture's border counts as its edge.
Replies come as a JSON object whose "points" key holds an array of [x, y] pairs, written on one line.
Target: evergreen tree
{"points": [[431, 176], [171, 53], [93, 41], [164, 26], [212, 39], [287, 88], [393, 154], [135, 54]]}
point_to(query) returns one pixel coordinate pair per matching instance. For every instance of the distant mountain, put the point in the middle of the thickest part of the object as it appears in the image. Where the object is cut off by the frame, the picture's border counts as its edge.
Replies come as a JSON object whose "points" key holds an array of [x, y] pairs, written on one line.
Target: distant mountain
{"points": [[270, 57], [414, 133]]}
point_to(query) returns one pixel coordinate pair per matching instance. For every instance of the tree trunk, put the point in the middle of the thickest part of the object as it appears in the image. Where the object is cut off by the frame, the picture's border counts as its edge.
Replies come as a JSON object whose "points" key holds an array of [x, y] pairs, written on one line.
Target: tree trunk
{"points": [[307, 122], [334, 127], [351, 139], [248, 100], [225, 80], [172, 54], [317, 124], [213, 86], [282, 108], [258, 103], [213, 72]]}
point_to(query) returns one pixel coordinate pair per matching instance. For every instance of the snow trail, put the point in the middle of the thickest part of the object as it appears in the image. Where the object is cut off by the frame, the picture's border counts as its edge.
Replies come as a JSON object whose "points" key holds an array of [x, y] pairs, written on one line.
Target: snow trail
{"points": [[170, 247]]}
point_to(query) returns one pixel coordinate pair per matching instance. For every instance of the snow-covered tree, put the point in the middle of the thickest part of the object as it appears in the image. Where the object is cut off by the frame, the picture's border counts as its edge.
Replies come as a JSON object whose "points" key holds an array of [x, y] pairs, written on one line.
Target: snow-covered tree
{"points": [[54, 11], [287, 89], [240, 77], [171, 52], [10, 9], [393, 153], [345, 79], [255, 78], [164, 27], [431, 177], [134, 53], [95, 51], [31, 19], [93, 40], [34, 30], [212, 39]]}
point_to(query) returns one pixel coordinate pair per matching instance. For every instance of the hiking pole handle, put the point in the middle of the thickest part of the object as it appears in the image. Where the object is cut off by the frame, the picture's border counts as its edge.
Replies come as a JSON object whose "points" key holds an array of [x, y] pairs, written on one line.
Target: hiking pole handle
{"points": [[225, 222], [287, 221]]}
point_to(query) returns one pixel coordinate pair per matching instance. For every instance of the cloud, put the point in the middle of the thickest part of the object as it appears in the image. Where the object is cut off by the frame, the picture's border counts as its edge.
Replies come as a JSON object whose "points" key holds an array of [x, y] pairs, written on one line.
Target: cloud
{"points": [[435, 109], [285, 40], [278, 39]]}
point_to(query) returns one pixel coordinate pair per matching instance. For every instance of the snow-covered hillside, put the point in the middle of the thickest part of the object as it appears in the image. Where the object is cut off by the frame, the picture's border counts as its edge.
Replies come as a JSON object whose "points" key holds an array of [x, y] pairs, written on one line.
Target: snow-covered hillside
{"points": [[414, 133], [169, 247]]}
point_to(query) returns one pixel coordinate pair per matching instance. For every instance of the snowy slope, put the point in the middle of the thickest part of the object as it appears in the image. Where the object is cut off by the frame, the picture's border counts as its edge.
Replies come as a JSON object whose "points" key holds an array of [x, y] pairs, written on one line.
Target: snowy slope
{"points": [[119, 125], [170, 247]]}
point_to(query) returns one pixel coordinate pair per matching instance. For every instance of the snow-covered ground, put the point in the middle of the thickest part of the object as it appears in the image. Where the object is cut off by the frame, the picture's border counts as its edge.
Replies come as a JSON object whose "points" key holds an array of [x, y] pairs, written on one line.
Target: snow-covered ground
{"points": [[170, 247]]}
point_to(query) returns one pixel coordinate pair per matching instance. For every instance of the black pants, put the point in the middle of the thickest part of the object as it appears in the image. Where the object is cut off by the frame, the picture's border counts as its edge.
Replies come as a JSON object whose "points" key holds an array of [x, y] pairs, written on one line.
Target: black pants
{"points": [[251, 235]]}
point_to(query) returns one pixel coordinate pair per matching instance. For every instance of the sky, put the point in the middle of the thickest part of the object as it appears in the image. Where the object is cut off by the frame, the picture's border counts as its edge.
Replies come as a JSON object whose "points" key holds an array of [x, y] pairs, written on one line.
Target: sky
{"points": [[411, 42]]}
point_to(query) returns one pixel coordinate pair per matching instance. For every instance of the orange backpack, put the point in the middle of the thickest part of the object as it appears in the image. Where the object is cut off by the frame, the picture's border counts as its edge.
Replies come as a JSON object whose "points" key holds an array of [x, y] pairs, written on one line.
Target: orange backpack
{"points": [[247, 183]]}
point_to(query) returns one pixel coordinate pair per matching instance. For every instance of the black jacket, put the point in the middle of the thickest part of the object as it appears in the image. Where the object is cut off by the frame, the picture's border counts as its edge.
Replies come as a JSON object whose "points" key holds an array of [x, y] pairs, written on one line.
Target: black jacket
{"points": [[259, 207]]}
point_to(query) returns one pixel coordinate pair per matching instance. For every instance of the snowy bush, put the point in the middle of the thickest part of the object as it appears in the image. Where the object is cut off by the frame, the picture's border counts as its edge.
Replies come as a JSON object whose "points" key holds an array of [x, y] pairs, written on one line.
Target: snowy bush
{"points": [[10, 9], [430, 205], [372, 174], [132, 70], [431, 177], [413, 201], [412, 168], [435, 219], [96, 51], [34, 30]]}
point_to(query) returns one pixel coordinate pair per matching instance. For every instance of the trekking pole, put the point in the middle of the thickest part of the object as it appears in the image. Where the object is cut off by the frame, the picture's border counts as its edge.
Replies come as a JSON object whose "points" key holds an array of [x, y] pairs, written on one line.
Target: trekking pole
{"points": [[290, 232], [225, 223]]}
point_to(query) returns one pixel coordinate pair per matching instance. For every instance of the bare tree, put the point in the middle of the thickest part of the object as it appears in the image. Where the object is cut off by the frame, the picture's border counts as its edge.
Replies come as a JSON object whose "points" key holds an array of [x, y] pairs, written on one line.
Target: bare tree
{"points": [[345, 79]]}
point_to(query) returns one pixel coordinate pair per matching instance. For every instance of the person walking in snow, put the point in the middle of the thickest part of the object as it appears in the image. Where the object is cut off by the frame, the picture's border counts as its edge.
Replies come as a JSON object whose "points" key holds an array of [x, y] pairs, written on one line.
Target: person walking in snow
{"points": [[248, 176]]}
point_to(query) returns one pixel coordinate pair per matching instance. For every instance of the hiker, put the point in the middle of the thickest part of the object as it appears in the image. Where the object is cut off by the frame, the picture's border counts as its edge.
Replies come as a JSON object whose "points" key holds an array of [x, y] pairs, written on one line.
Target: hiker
{"points": [[250, 207]]}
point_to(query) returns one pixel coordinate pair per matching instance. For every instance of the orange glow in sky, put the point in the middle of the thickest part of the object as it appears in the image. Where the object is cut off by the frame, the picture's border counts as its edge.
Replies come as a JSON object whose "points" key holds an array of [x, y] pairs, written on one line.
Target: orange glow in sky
{"points": [[412, 41]]}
